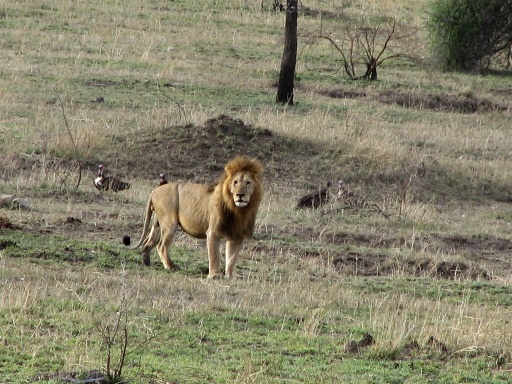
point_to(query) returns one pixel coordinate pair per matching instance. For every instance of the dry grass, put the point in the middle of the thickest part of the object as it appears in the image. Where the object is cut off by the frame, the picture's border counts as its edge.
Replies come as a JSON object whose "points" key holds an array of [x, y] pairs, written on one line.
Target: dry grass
{"points": [[159, 65], [394, 319]]}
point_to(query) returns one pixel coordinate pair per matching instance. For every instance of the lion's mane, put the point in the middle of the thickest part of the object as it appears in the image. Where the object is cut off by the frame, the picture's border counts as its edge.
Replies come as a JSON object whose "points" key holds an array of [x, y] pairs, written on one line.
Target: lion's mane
{"points": [[234, 222]]}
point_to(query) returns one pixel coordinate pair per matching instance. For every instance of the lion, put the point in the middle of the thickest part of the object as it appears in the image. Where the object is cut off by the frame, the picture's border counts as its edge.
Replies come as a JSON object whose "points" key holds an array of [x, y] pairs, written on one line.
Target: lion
{"points": [[224, 210]]}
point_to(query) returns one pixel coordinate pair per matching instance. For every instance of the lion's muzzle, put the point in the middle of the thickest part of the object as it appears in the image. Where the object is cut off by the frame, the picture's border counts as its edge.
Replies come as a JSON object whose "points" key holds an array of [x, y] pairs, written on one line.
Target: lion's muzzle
{"points": [[239, 200]]}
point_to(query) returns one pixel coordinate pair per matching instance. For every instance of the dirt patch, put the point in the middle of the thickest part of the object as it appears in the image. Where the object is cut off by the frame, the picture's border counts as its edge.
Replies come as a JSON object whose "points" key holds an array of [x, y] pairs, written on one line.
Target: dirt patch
{"points": [[507, 92], [466, 103], [94, 377], [453, 270], [474, 247], [363, 265], [340, 93], [384, 265], [5, 243], [101, 83], [193, 152], [442, 103], [199, 153], [322, 13], [484, 257], [72, 221], [6, 223]]}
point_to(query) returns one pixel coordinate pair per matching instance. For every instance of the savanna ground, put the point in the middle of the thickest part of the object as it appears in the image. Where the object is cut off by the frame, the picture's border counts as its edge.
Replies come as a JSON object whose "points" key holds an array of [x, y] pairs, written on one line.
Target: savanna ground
{"points": [[407, 282]]}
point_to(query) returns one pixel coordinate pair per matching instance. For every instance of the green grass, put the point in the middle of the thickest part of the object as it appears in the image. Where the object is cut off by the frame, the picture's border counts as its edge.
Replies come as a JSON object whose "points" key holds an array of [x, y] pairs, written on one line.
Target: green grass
{"points": [[195, 334], [220, 342]]}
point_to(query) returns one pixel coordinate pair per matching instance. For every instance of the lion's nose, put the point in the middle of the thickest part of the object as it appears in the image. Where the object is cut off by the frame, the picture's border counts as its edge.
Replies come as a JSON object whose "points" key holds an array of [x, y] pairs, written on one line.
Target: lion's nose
{"points": [[240, 194]]}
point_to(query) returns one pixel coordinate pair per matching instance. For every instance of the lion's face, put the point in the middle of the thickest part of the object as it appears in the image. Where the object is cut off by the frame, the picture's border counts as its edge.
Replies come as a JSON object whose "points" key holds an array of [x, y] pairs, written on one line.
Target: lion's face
{"points": [[242, 187]]}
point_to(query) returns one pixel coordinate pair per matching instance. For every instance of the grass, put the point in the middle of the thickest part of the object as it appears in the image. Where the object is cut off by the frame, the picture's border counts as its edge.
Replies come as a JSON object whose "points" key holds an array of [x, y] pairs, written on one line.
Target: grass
{"points": [[430, 283], [242, 332]]}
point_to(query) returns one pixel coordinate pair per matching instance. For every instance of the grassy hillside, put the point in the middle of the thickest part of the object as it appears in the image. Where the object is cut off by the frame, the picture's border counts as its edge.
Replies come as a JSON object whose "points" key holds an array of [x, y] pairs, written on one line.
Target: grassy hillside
{"points": [[407, 281]]}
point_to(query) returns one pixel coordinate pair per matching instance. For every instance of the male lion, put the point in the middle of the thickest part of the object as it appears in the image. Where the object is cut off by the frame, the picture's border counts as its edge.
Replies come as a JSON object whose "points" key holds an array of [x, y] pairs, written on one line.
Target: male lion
{"points": [[226, 210]]}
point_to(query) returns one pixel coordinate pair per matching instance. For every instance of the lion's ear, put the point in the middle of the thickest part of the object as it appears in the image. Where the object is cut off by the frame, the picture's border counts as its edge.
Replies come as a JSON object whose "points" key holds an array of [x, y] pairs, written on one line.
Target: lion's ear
{"points": [[236, 164], [242, 163], [255, 167], [231, 166], [229, 170]]}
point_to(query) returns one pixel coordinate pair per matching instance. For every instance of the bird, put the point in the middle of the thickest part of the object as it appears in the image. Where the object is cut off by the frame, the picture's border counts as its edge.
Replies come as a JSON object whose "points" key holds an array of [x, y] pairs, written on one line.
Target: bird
{"points": [[163, 179], [350, 197], [98, 181], [315, 199], [105, 183], [342, 190]]}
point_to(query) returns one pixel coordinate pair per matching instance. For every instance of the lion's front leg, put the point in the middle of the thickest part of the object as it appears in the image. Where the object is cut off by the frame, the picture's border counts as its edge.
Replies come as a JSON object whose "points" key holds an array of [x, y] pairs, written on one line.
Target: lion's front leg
{"points": [[233, 249], [213, 245]]}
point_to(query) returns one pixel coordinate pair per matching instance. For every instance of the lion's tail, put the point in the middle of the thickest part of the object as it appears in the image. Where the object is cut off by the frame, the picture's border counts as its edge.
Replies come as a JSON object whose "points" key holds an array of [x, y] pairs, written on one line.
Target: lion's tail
{"points": [[145, 230]]}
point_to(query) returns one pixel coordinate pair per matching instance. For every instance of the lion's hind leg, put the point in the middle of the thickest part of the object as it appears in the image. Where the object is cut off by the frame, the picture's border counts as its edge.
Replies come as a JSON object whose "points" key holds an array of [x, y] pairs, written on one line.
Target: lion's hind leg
{"points": [[167, 230], [150, 242]]}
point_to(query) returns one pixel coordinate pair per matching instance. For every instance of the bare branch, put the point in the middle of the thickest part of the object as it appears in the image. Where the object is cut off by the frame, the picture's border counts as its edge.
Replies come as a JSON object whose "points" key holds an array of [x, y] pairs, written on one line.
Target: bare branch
{"points": [[180, 107], [371, 46], [75, 148]]}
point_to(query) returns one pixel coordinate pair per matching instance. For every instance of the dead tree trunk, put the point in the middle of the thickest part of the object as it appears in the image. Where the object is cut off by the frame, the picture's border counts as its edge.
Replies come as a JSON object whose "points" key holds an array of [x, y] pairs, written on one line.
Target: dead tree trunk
{"points": [[371, 70], [289, 59]]}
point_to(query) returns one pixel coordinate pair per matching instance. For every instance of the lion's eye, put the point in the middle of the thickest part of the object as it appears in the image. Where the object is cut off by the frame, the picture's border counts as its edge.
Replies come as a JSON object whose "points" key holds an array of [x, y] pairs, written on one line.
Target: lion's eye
{"points": [[248, 183], [235, 182]]}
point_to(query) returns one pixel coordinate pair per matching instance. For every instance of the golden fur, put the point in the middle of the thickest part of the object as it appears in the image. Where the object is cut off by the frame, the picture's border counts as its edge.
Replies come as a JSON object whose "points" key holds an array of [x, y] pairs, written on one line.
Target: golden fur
{"points": [[225, 210]]}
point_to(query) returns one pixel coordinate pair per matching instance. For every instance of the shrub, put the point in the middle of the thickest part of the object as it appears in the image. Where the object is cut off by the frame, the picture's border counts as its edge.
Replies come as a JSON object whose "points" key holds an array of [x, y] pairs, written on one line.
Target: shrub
{"points": [[470, 34]]}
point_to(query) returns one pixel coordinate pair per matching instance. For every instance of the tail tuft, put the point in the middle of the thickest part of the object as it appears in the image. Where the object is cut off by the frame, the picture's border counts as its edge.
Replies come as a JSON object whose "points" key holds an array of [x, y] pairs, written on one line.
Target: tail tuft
{"points": [[126, 240]]}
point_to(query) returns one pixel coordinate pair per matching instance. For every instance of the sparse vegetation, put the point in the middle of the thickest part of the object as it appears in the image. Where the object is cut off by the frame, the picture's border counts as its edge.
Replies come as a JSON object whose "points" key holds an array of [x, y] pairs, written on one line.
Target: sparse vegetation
{"points": [[415, 291]]}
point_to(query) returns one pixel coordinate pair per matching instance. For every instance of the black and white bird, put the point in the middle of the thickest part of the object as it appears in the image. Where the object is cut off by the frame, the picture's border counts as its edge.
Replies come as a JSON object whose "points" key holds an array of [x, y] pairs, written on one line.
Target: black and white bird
{"points": [[105, 183], [163, 179], [315, 199], [342, 190]]}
